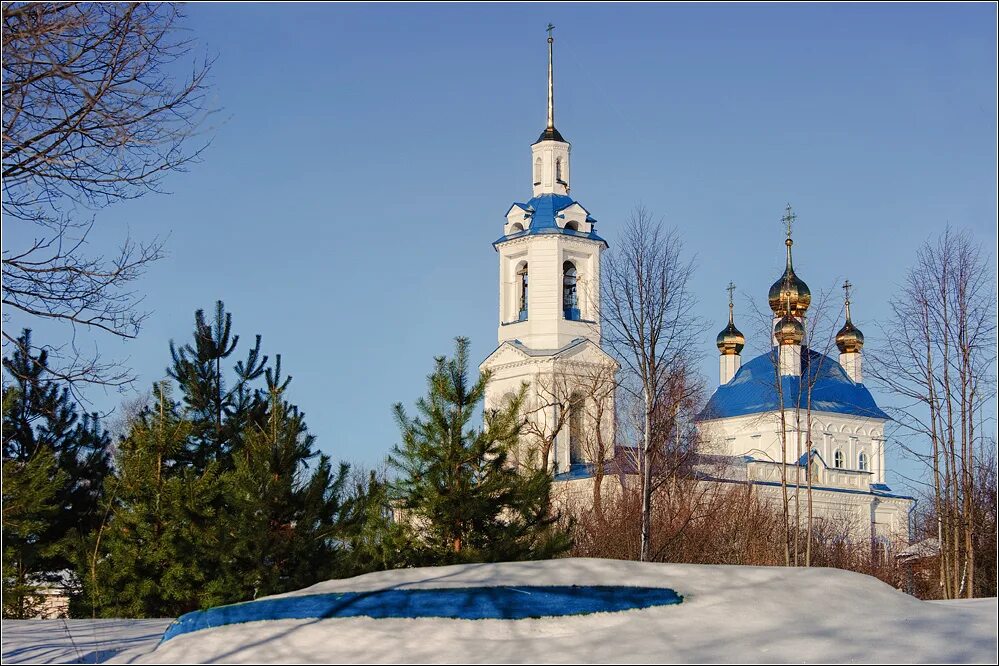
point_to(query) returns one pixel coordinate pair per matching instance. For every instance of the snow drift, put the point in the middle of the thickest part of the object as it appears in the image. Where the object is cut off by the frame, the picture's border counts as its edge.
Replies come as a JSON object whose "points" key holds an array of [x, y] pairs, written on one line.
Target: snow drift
{"points": [[727, 614]]}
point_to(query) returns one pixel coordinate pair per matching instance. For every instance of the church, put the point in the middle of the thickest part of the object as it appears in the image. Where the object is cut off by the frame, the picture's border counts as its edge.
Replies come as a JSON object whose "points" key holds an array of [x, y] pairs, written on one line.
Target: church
{"points": [[758, 421], [763, 415]]}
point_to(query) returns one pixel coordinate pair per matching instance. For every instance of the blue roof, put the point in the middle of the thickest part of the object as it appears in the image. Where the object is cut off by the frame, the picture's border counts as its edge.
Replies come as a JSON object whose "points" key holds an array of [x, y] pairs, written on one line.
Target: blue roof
{"points": [[541, 216], [753, 390]]}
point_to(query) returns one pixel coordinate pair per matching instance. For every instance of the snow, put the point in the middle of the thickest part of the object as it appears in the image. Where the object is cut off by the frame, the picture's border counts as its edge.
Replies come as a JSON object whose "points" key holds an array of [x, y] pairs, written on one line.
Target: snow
{"points": [[728, 614], [77, 641]]}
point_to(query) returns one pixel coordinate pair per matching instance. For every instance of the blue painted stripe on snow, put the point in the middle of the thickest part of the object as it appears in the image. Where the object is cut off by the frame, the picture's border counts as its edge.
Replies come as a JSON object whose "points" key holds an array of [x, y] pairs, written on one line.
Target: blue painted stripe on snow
{"points": [[466, 603]]}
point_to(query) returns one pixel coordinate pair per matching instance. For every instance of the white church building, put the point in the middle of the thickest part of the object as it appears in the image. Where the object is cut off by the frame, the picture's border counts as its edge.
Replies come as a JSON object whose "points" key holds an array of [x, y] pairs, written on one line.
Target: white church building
{"points": [[763, 414], [550, 338]]}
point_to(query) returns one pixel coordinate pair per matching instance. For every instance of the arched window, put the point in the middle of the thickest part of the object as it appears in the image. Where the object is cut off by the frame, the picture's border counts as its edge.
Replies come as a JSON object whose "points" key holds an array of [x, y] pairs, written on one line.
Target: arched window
{"points": [[558, 171], [862, 462], [522, 280], [576, 429], [517, 226], [537, 171], [838, 459], [570, 303], [572, 226]]}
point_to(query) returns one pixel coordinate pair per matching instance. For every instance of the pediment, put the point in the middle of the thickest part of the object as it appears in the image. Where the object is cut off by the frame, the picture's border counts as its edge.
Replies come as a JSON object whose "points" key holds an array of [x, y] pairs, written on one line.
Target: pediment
{"points": [[505, 353]]}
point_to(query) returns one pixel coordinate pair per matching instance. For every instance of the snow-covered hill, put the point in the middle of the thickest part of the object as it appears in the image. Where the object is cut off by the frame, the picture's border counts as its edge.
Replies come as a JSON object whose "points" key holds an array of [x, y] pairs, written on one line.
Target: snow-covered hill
{"points": [[728, 613]]}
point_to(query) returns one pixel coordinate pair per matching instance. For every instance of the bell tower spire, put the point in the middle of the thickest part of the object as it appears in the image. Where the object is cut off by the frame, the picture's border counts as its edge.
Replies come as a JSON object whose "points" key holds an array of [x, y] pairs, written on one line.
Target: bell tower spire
{"points": [[551, 84], [550, 153]]}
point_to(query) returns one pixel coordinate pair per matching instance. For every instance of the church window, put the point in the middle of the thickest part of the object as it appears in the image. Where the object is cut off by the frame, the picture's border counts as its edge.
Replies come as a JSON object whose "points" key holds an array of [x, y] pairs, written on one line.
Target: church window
{"points": [[522, 281], [537, 171], [558, 171], [570, 302], [572, 226], [517, 226], [838, 459], [576, 429], [862, 464]]}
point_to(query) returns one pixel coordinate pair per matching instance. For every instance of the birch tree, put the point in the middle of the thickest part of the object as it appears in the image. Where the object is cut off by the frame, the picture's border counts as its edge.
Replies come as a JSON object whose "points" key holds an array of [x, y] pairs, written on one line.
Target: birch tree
{"points": [[938, 360], [648, 319]]}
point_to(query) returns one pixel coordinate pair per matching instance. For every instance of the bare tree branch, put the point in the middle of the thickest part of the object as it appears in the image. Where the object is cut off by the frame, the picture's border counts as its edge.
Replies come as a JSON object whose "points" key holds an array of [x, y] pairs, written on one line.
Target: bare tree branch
{"points": [[93, 114]]}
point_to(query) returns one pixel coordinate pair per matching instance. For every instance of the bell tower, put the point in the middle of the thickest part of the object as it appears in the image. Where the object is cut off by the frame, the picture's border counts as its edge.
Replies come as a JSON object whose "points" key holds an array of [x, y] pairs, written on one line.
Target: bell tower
{"points": [[549, 251], [549, 307]]}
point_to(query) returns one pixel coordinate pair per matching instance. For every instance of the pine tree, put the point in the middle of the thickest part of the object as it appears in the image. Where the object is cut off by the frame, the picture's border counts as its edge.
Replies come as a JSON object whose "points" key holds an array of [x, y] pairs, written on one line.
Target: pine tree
{"points": [[30, 488], [44, 437], [458, 489], [219, 409], [158, 554], [371, 539], [284, 519]]}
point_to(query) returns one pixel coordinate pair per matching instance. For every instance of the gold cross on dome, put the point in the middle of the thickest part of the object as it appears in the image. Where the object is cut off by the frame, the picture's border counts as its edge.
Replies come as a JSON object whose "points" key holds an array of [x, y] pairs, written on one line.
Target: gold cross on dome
{"points": [[549, 29], [788, 219], [846, 289], [731, 290]]}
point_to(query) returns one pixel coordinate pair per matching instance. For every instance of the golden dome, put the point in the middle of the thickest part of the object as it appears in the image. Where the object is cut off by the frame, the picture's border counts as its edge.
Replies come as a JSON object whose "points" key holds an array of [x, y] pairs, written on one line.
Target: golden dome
{"points": [[730, 341], [789, 331], [849, 339], [789, 290]]}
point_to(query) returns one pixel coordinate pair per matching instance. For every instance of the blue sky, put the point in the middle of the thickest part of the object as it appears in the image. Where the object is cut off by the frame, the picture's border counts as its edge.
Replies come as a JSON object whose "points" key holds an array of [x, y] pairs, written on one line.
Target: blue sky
{"points": [[365, 155]]}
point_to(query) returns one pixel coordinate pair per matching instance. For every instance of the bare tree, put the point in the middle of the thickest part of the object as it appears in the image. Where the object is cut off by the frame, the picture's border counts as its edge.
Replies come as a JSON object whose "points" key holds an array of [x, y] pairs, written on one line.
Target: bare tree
{"points": [[937, 358], [570, 390], [597, 384], [647, 313], [547, 414], [794, 401], [92, 115]]}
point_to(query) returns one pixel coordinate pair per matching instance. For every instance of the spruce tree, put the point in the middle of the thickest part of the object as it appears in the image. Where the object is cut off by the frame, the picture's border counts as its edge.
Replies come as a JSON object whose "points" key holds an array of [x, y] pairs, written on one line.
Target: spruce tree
{"points": [[458, 488]]}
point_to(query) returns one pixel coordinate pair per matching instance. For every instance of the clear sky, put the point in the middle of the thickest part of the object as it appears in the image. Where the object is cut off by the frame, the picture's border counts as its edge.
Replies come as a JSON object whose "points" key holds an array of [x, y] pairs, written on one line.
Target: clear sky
{"points": [[365, 156]]}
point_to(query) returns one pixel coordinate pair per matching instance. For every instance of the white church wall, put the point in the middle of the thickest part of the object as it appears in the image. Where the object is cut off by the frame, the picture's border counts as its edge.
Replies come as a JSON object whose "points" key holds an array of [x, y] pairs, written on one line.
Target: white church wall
{"points": [[758, 436]]}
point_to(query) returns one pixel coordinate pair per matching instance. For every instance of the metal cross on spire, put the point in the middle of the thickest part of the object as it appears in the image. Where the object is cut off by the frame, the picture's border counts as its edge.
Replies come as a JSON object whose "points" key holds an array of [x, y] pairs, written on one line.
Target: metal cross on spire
{"points": [[846, 302], [731, 291], [788, 219]]}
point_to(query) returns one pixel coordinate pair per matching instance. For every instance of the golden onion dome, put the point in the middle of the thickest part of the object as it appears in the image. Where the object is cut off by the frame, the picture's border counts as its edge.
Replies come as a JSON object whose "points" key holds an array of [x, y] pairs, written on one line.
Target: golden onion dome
{"points": [[730, 341], [849, 339], [789, 331], [789, 291]]}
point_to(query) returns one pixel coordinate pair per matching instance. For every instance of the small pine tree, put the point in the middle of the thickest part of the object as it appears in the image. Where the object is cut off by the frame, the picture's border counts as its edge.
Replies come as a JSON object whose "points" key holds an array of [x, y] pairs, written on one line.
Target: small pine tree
{"points": [[55, 464], [30, 490], [283, 520], [159, 553], [371, 540], [458, 489]]}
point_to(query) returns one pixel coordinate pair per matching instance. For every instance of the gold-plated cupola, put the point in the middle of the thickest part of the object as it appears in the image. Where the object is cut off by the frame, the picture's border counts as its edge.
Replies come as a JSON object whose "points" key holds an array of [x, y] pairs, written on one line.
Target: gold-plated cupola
{"points": [[730, 341], [849, 339], [789, 294]]}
